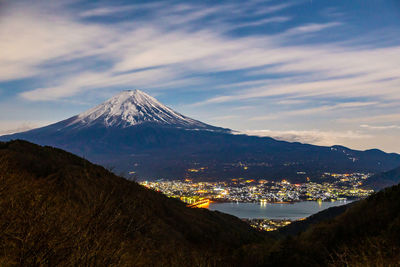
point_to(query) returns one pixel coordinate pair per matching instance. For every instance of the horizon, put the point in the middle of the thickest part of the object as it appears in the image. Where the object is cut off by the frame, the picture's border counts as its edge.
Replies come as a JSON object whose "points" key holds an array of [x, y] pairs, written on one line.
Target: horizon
{"points": [[323, 73]]}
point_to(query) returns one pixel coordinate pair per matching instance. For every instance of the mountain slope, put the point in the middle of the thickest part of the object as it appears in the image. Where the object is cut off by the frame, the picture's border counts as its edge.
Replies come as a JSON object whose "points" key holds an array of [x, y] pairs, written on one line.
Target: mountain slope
{"points": [[366, 233], [130, 108], [300, 226], [384, 179], [59, 209], [133, 132]]}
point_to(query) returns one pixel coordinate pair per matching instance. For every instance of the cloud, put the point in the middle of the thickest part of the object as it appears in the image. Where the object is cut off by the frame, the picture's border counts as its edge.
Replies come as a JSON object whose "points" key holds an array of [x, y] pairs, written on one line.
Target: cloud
{"points": [[341, 73], [96, 80], [383, 118], [116, 10], [31, 39], [310, 28], [10, 127], [223, 118], [317, 137], [272, 8], [380, 127], [278, 19], [314, 110], [292, 101]]}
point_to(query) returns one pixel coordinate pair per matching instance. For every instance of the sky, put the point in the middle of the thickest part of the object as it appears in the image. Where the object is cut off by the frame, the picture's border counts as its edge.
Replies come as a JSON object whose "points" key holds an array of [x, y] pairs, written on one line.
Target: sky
{"points": [[324, 72]]}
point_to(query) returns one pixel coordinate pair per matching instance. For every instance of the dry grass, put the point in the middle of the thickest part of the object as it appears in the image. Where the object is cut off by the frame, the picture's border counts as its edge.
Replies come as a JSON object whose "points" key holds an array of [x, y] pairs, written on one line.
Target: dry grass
{"points": [[59, 210]]}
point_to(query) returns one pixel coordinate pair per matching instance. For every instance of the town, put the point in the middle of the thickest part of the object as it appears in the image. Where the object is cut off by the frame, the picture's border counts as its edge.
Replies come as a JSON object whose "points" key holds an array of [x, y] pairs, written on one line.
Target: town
{"points": [[344, 186], [338, 187]]}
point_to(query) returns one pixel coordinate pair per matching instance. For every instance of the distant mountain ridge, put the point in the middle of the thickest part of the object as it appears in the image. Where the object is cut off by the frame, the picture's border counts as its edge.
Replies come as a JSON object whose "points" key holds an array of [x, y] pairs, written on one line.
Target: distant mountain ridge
{"points": [[135, 133]]}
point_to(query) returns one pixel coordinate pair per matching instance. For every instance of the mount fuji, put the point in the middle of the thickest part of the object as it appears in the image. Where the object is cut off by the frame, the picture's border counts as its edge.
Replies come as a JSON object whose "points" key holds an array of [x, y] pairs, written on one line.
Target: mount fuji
{"points": [[134, 133], [133, 108]]}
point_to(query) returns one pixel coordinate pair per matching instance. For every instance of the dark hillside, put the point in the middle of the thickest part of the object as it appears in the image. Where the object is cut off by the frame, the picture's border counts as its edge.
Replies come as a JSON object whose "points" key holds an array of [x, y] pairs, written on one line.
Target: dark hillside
{"points": [[384, 179], [301, 226], [366, 234], [59, 209]]}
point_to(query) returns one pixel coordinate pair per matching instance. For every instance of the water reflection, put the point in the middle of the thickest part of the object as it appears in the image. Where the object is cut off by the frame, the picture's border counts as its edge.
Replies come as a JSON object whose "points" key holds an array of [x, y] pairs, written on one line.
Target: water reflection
{"points": [[293, 211]]}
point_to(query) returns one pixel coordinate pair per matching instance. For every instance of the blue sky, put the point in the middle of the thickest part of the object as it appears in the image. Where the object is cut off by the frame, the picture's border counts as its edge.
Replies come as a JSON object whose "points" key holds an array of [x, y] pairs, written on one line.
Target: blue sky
{"points": [[323, 72]]}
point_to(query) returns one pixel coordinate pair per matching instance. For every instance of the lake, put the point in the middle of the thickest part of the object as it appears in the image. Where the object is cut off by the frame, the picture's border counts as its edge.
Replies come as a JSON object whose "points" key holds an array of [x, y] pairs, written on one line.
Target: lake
{"points": [[292, 211]]}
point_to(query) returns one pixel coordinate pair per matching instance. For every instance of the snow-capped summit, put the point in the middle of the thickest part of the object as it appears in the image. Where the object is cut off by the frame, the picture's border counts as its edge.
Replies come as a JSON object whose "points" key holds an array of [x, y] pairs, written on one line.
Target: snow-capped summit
{"points": [[134, 107]]}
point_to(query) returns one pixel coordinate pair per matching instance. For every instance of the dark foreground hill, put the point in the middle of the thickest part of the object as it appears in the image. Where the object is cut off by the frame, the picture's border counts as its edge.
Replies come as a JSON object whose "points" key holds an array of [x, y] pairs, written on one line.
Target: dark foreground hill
{"points": [[59, 209], [365, 233], [133, 132]]}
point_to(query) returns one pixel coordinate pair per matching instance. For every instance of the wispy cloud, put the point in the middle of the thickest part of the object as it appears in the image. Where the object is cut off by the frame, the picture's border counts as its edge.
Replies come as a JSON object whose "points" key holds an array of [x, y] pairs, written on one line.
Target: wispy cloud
{"points": [[227, 117], [128, 47], [356, 78], [292, 102], [383, 118], [318, 137], [10, 127], [97, 80], [267, 9], [315, 110], [264, 21], [380, 127], [116, 10], [309, 28]]}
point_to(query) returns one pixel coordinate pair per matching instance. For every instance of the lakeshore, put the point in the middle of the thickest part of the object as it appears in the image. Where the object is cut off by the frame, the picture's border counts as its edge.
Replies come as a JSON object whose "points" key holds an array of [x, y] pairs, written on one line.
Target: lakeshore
{"points": [[288, 211]]}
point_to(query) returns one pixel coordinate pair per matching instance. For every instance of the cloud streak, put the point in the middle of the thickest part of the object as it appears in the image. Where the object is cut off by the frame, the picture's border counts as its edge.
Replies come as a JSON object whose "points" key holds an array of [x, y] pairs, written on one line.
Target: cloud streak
{"points": [[315, 110], [317, 137], [128, 47], [10, 127], [380, 127]]}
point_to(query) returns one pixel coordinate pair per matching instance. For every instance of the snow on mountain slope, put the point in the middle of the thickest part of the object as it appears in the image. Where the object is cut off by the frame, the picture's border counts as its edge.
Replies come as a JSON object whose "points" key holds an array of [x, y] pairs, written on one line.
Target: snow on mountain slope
{"points": [[134, 107]]}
